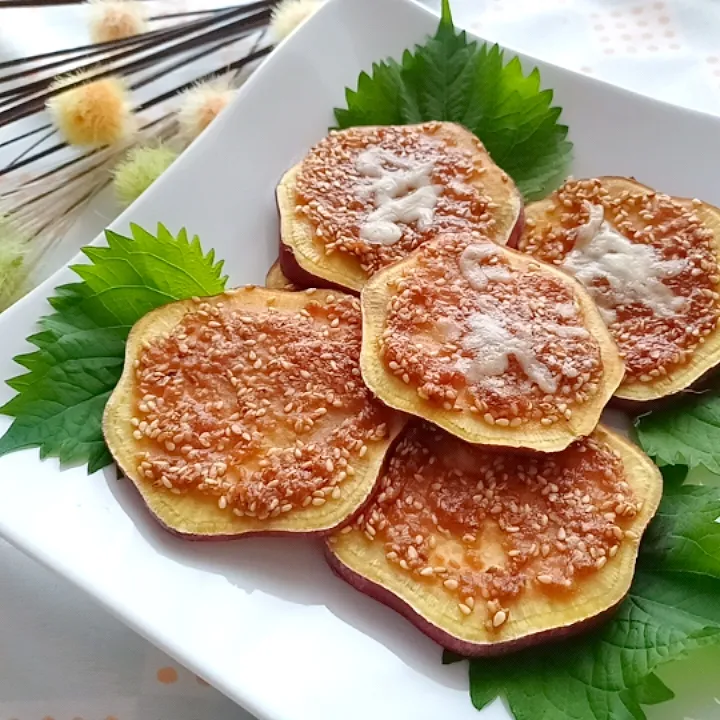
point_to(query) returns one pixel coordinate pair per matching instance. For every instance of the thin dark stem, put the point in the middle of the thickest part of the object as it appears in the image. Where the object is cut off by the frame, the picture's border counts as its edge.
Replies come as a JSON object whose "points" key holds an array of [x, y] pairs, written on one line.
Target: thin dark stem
{"points": [[146, 41], [236, 65], [28, 107], [69, 180], [184, 30], [80, 158], [53, 190], [143, 41], [18, 138], [29, 149], [28, 89], [91, 193], [255, 46], [57, 169], [37, 198], [97, 47], [252, 57], [194, 13], [37, 3], [186, 61], [113, 44]]}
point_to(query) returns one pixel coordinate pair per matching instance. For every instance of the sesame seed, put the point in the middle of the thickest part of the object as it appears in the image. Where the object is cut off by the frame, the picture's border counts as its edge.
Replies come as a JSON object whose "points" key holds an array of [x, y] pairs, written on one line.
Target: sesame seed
{"points": [[499, 618]]}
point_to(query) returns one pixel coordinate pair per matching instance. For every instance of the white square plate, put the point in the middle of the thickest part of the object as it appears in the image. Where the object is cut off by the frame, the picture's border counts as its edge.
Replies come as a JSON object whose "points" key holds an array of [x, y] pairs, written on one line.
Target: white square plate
{"points": [[264, 620]]}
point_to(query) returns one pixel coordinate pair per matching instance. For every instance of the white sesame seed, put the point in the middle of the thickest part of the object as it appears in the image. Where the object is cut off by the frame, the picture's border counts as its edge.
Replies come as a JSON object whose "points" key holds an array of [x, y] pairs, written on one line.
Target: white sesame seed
{"points": [[499, 618]]}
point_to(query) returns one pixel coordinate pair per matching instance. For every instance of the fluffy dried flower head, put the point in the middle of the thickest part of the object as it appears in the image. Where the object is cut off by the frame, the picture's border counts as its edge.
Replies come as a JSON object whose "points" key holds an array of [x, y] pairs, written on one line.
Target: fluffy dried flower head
{"points": [[201, 104], [94, 114], [116, 19], [289, 14], [139, 170]]}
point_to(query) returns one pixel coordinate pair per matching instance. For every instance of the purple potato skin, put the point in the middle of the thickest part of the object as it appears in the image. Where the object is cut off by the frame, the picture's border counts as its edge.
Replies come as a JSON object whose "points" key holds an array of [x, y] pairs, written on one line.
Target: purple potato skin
{"points": [[640, 407], [197, 537], [447, 640], [297, 275], [704, 384]]}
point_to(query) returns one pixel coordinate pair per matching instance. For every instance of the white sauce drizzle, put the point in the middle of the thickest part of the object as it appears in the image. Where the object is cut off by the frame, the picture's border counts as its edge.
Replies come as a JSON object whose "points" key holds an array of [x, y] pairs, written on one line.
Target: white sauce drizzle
{"points": [[566, 331], [449, 329], [405, 194], [629, 273], [492, 344], [479, 275], [493, 338], [566, 310]]}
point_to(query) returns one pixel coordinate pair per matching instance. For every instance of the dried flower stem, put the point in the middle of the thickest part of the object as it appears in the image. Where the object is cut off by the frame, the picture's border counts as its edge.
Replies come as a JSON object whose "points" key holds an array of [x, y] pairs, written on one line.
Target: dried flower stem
{"points": [[44, 208], [228, 23], [238, 64], [104, 51]]}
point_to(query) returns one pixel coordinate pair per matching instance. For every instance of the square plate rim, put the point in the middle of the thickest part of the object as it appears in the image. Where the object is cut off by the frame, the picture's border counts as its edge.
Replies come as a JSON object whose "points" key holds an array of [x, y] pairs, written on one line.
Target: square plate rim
{"points": [[249, 701]]}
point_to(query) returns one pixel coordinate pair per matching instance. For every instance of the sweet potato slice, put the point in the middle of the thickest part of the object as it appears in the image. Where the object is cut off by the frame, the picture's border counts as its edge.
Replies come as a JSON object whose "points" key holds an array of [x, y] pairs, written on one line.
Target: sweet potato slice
{"points": [[366, 197], [245, 413], [488, 552], [489, 344], [651, 263], [276, 280]]}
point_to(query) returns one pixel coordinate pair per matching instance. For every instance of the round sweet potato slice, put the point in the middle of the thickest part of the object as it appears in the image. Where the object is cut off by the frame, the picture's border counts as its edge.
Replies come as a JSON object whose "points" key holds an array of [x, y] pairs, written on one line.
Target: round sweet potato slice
{"points": [[651, 263], [489, 344], [245, 413], [276, 280], [488, 552], [366, 197]]}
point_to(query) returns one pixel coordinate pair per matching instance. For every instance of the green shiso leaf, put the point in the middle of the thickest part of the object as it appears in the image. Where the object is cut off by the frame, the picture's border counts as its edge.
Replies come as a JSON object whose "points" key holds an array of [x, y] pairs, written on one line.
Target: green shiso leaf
{"points": [[81, 346], [450, 78]]}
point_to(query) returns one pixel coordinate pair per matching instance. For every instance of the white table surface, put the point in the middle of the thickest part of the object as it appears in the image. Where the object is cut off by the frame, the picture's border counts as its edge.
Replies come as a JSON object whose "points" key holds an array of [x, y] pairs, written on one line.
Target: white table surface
{"points": [[62, 657]]}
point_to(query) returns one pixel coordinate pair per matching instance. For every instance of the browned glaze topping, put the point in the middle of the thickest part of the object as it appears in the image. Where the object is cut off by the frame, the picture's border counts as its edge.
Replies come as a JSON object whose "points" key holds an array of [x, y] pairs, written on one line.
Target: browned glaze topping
{"points": [[263, 409], [470, 332], [652, 343], [489, 525], [338, 196]]}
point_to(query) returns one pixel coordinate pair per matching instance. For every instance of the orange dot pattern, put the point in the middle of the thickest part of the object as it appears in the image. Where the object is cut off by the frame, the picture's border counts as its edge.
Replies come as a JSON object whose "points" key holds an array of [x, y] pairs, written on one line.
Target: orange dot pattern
{"points": [[167, 675], [637, 29]]}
